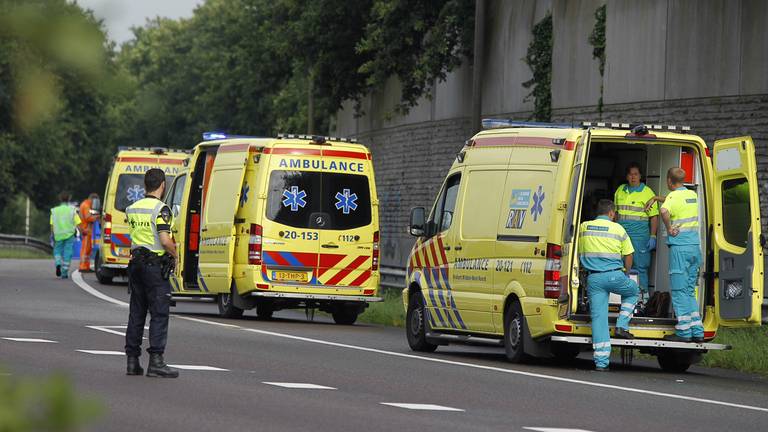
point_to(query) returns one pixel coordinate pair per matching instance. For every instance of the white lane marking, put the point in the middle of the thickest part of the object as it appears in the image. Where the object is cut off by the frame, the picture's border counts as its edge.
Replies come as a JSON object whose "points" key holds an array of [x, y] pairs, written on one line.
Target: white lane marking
{"points": [[548, 429], [34, 340], [488, 368], [205, 321], [78, 279], [299, 385], [100, 352], [422, 407], [110, 329], [196, 367]]}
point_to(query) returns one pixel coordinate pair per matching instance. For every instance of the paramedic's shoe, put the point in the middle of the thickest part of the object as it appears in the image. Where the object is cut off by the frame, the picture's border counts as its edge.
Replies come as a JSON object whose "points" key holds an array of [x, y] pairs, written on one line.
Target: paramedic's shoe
{"points": [[675, 338], [134, 366], [620, 333], [58, 270], [697, 339], [602, 369], [158, 368]]}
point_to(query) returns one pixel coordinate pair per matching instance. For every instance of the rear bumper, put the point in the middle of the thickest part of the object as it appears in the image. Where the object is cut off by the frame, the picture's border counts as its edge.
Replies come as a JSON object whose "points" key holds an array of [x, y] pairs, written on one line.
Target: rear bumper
{"points": [[301, 296], [644, 343]]}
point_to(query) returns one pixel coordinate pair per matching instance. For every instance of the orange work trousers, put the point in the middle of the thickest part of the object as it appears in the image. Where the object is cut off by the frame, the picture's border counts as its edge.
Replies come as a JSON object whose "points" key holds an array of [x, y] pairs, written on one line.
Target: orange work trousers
{"points": [[85, 251]]}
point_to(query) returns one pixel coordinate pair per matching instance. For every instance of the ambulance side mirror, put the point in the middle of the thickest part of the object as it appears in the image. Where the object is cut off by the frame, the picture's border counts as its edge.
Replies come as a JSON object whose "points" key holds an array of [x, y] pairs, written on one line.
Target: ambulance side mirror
{"points": [[418, 220]]}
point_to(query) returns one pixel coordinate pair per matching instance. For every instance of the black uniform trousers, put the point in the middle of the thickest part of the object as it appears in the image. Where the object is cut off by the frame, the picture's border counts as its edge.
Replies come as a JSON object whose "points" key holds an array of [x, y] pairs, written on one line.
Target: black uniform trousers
{"points": [[149, 293]]}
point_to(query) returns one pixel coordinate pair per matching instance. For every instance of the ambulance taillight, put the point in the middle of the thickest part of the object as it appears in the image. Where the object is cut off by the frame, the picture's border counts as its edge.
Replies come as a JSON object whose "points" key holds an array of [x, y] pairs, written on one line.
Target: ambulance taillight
{"points": [[254, 245], [552, 271], [107, 228], [375, 257]]}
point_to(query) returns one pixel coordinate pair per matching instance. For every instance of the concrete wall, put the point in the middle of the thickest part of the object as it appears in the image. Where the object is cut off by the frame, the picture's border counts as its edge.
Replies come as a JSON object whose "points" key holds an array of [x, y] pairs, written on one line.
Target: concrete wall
{"points": [[697, 62]]}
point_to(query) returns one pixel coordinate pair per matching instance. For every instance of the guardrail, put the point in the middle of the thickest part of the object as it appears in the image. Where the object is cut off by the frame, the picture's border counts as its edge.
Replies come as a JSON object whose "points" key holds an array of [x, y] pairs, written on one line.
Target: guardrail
{"points": [[20, 241], [392, 277]]}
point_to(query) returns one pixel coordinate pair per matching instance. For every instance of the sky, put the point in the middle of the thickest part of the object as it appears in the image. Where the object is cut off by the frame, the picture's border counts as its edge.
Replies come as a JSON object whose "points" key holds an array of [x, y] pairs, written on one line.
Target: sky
{"points": [[120, 15]]}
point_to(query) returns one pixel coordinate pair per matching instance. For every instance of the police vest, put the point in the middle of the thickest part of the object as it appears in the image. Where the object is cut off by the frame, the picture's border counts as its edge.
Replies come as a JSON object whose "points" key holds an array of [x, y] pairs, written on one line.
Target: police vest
{"points": [[143, 218], [63, 221], [683, 208], [603, 244], [631, 205]]}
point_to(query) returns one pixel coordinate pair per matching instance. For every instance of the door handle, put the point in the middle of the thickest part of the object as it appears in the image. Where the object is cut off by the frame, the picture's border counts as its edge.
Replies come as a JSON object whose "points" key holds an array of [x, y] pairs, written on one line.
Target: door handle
{"points": [[204, 230], [458, 247], [447, 247], [330, 246]]}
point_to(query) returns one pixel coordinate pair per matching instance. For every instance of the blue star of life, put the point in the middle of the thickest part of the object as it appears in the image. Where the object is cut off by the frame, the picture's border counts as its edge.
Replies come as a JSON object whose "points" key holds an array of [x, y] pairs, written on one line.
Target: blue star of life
{"points": [[135, 193], [294, 198], [244, 194], [537, 209], [346, 201]]}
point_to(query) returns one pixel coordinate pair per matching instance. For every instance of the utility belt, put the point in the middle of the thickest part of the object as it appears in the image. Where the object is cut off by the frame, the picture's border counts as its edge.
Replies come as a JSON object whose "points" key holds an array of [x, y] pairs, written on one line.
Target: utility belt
{"points": [[144, 257], [591, 272]]}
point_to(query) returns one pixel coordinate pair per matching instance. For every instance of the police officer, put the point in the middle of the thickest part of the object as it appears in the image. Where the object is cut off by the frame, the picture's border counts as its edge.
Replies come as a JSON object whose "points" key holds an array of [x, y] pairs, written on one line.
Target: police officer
{"points": [[151, 247], [605, 251], [640, 224], [680, 213]]}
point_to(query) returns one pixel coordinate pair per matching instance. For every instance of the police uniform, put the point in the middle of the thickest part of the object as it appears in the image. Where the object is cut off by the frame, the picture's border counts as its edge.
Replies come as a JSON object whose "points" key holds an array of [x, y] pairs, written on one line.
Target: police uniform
{"points": [[602, 246], [149, 290], [64, 221], [630, 203], [684, 261]]}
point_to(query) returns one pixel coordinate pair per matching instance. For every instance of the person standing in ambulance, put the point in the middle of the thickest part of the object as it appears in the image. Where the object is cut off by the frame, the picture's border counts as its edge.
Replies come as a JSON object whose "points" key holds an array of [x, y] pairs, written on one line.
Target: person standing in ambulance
{"points": [[605, 251], [680, 213], [640, 223]]}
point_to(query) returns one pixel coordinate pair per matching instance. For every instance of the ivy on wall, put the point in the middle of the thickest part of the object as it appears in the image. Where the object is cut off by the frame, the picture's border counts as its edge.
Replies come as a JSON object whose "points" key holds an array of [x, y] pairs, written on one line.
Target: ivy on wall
{"points": [[539, 59], [597, 40]]}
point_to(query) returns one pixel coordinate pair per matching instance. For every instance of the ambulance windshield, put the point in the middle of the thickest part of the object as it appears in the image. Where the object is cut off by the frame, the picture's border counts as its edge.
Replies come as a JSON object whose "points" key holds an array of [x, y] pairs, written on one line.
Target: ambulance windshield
{"points": [[295, 197], [130, 188]]}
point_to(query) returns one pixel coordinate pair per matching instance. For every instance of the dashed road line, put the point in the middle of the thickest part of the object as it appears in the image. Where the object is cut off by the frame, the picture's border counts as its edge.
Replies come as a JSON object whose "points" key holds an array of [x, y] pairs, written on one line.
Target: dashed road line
{"points": [[90, 290], [33, 340], [306, 386], [198, 368], [102, 352], [551, 429], [111, 329], [421, 407]]}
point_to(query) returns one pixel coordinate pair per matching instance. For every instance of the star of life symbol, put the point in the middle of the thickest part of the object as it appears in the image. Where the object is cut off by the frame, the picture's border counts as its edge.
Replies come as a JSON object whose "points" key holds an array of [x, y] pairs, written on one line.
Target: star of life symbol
{"points": [[134, 193], [244, 194], [538, 198], [346, 201], [294, 198]]}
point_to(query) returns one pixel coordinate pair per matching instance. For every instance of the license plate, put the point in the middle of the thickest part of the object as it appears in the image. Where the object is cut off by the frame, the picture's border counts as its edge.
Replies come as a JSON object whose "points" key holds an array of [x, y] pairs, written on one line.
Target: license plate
{"points": [[289, 276]]}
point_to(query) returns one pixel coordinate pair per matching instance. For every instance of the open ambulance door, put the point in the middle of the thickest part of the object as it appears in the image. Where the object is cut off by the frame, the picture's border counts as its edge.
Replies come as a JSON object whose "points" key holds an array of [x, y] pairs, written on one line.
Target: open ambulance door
{"points": [[217, 233], [738, 250], [572, 218]]}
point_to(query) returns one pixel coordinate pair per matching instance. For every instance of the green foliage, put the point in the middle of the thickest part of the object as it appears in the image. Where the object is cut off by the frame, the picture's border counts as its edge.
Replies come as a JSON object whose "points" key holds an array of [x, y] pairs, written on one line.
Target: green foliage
{"points": [[749, 353], [597, 40], [539, 59], [416, 41], [13, 218], [390, 312], [43, 405], [22, 253]]}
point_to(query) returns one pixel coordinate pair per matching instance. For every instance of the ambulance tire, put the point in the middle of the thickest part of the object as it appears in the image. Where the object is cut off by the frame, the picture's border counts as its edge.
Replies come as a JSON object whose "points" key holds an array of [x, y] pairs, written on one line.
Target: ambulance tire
{"points": [[674, 362], [227, 309], [514, 333], [100, 271], [264, 309], [345, 315], [416, 324]]}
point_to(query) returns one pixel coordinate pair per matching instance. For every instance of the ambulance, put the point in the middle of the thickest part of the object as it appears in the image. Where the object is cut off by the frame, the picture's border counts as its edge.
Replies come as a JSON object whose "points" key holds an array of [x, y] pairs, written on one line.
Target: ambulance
{"points": [[125, 186], [496, 260], [276, 223]]}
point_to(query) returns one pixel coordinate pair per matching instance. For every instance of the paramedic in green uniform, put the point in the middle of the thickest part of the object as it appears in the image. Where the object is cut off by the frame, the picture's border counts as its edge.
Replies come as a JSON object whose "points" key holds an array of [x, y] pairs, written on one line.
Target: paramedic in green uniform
{"points": [[64, 223]]}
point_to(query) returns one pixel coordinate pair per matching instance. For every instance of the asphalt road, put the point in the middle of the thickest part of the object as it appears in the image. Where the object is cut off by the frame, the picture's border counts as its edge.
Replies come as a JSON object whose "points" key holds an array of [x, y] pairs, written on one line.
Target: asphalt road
{"points": [[250, 374]]}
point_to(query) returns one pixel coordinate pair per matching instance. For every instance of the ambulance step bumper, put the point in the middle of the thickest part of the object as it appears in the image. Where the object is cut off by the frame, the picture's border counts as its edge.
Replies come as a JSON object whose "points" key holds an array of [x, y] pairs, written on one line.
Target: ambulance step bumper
{"points": [[444, 338], [115, 266], [644, 343], [366, 299]]}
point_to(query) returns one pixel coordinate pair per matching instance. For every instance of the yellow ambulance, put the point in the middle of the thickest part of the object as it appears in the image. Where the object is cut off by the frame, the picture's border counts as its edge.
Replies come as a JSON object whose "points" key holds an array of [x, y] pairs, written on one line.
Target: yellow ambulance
{"points": [[495, 261], [125, 185], [276, 223]]}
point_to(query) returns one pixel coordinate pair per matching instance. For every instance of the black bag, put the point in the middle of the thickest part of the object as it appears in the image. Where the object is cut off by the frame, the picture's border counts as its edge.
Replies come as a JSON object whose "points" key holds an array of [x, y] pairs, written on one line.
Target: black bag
{"points": [[658, 305]]}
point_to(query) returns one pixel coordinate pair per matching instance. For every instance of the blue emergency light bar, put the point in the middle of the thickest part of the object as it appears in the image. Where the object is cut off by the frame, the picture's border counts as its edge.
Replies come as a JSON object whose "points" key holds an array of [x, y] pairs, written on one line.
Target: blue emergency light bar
{"points": [[495, 123], [212, 136]]}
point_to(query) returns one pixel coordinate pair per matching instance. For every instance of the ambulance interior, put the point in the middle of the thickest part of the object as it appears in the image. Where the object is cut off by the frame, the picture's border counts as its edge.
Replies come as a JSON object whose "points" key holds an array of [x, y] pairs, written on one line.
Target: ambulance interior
{"points": [[606, 171]]}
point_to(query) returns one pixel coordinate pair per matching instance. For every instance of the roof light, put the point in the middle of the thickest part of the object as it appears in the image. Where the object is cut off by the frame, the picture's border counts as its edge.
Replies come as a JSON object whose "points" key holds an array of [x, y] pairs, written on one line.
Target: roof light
{"points": [[495, 123], [212, 136], [317, 139], [671, 128]]}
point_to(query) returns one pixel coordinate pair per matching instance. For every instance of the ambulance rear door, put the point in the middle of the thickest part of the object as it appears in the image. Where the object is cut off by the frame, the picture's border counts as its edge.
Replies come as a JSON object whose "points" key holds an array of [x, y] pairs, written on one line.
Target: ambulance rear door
{"points": [[738, 250], [217, 232], [570, 261]]}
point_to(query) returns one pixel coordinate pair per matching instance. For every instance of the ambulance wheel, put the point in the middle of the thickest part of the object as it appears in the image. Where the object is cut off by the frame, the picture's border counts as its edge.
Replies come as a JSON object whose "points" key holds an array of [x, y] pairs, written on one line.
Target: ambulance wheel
{"points": [[674, 362], [345, 315], [227, 309], [100, 272], [514, 333], [264, 309], [416, 324]]}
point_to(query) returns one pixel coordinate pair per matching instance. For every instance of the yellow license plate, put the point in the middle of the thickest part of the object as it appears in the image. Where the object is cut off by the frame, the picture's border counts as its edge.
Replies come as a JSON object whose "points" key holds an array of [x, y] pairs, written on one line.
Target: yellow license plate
{"points": [[288, 276]]}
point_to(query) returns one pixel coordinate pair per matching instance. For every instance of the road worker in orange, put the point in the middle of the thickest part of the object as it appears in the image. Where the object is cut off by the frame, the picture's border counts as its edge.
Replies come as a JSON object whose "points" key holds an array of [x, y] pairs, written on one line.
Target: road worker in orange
{"points": [[89, 213]]}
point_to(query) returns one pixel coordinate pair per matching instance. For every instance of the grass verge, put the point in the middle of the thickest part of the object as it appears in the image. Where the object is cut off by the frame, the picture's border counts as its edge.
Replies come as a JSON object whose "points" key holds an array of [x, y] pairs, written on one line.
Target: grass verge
{"points": [[22, 253], [390, 312], [749, 353]]}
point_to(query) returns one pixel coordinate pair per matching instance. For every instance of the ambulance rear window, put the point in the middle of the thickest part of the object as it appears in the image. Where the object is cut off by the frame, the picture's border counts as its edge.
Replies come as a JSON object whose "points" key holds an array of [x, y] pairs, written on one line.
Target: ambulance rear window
{"points": [[130, 188], [296, 198]]}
